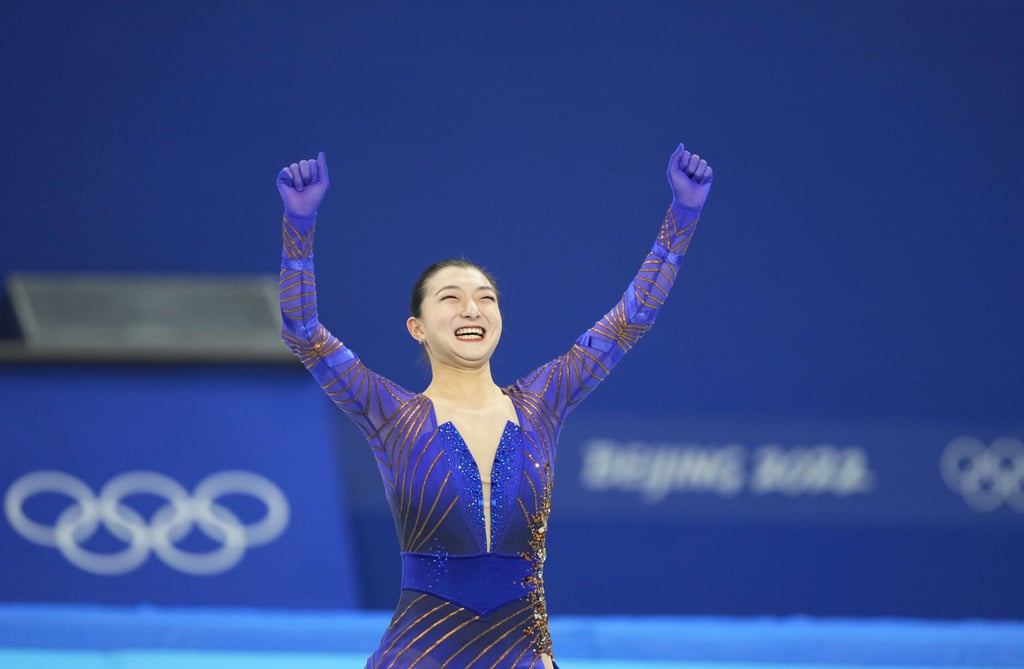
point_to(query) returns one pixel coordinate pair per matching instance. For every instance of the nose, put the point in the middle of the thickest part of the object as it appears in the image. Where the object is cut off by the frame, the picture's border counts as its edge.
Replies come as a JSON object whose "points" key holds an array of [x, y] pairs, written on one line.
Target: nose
{"points": [[469, 309]]}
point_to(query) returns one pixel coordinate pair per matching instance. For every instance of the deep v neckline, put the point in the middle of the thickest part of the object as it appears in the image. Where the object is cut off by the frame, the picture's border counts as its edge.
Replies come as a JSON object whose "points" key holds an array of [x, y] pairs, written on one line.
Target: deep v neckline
{"points": [[505, 474], [476, 463], [508, 422]]}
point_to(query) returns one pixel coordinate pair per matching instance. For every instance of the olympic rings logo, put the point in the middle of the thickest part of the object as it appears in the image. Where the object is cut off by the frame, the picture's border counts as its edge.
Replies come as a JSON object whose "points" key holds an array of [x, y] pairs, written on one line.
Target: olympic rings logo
{"points": [[986, 476], [170, 523]]}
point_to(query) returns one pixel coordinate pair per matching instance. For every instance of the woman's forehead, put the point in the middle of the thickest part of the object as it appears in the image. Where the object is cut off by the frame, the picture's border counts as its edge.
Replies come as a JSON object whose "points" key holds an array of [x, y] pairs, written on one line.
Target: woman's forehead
{"points": [[466, 278]]}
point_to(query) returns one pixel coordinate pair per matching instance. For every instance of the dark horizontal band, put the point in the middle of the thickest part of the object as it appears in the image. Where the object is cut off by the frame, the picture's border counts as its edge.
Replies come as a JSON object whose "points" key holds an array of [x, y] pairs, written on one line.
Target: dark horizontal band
{"points": [[482, 583]]}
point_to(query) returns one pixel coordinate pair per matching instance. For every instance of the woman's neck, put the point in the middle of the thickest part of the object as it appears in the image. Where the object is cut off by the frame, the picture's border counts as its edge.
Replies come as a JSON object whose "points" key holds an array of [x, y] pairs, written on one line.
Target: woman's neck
{"points": [[468, 388]]}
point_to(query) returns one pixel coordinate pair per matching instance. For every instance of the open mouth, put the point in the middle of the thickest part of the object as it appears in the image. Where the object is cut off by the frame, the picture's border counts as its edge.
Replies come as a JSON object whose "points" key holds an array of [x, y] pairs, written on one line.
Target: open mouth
{"points": [[470, 334]]}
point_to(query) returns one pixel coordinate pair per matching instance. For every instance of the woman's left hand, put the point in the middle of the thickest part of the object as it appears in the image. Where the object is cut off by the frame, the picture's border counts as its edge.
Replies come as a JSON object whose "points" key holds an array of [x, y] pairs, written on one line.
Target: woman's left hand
{"points": [[690, 178]]}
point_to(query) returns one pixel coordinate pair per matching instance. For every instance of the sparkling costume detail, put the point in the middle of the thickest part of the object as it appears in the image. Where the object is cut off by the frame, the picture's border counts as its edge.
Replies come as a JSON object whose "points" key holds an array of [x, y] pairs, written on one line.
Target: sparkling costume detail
{"points": [[464, 604]]}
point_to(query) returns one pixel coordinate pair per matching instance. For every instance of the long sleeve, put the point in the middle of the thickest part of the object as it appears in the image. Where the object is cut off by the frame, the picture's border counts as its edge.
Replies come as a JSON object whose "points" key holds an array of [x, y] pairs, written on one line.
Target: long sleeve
{"points": [[369, 399], [556, 388]]}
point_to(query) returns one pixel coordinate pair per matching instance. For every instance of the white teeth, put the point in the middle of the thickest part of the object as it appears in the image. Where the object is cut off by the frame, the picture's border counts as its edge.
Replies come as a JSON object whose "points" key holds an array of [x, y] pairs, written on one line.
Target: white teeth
{"points": [[470, 333]]}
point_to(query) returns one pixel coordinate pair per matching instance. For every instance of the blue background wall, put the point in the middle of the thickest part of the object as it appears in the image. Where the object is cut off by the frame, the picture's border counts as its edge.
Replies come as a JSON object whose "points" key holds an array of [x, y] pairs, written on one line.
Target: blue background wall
{"points": [[859, 262]]}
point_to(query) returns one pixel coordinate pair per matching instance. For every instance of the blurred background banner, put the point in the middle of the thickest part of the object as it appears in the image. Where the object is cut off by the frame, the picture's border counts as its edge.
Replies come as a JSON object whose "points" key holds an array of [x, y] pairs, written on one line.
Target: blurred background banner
{"points": [[827, 418], [756, 470]]}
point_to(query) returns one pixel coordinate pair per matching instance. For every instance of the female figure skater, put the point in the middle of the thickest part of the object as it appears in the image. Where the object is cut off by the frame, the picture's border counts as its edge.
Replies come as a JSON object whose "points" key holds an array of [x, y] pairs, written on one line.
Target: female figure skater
{"points": [[468, 465]]}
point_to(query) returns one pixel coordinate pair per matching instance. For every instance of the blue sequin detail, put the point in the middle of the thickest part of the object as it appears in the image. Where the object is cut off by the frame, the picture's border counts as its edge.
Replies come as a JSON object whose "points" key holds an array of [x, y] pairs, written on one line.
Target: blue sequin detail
{"points": [[438, 561], [464, 466], [505, 474]]}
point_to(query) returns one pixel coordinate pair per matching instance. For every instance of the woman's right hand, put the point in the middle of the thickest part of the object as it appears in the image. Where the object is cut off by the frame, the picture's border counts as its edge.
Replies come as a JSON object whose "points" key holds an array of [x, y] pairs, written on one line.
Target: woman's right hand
{"points": [[302, 186]]}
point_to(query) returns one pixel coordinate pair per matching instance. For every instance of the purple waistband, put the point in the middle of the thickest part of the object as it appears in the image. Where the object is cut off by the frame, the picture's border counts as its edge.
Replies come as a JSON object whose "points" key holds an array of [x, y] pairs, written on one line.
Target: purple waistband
{"points": [[482, 583]]}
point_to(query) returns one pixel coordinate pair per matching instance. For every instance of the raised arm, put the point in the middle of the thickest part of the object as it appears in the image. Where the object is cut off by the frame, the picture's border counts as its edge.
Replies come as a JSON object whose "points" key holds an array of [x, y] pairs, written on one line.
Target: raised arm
{"points": [[560, 385], [302, 187], [367, 398]]}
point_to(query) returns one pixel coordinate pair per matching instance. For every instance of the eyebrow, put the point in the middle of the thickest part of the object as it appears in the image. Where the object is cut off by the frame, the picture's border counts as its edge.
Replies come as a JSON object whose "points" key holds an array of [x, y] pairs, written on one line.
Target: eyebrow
{"points": [[479, 288]]}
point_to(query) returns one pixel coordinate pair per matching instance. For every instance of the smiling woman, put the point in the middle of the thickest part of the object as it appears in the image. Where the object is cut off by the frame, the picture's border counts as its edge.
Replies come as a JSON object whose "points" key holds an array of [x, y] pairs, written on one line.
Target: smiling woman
{"points": [[468, 465]]}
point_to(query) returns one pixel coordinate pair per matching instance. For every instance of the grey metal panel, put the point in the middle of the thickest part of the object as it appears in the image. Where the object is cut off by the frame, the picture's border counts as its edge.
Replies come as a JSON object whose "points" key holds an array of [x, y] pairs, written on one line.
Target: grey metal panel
{"points": [[147, 316]]}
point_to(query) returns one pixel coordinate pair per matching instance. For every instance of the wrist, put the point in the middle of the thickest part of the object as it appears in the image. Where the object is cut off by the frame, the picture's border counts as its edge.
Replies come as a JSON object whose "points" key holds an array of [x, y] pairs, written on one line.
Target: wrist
{"points": [[684, 212], [677, 229], [301, 221], [297, 236]]}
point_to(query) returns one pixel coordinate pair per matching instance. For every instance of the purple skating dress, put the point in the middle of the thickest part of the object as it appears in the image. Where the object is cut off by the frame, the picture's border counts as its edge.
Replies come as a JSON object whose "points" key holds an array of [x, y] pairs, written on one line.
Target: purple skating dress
{"points": [[461, 605]]}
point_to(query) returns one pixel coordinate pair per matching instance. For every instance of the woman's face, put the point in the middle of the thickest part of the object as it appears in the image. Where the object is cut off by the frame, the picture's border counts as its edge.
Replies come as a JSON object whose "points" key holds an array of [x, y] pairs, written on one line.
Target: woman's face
{"points": [[459, 323]]}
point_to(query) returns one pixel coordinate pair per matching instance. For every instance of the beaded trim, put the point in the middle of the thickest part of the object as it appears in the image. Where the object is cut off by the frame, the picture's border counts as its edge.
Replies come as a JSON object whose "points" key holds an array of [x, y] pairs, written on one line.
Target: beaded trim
{"points": [[538, 524]]}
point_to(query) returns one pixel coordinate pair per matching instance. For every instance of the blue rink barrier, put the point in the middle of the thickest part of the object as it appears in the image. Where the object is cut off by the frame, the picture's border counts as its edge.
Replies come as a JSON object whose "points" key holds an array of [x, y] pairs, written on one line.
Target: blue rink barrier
{"points": [[732, 518], [81, 636]]}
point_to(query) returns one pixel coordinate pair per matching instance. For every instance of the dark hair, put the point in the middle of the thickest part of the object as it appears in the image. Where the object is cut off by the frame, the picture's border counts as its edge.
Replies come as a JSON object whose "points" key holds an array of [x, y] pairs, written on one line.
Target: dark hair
{"points": [[416, 300]]}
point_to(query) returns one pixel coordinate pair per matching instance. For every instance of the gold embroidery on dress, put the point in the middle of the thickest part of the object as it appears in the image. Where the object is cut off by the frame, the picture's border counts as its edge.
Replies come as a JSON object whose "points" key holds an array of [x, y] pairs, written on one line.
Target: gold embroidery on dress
{"points": [[538, 524]]}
